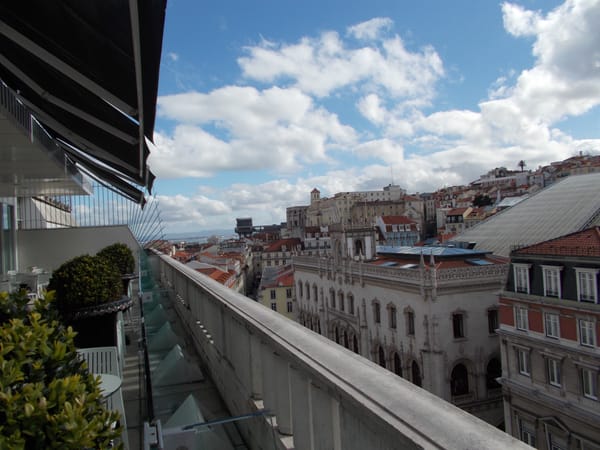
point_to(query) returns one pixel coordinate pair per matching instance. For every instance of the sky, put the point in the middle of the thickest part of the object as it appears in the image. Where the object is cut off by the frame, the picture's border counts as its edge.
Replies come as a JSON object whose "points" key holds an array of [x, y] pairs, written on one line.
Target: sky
{"points": [[262, 101]]}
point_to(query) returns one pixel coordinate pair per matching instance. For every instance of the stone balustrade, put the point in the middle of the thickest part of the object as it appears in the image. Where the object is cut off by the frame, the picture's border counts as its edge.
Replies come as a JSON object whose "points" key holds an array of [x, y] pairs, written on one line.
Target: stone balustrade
{"points": [[317, 394]]}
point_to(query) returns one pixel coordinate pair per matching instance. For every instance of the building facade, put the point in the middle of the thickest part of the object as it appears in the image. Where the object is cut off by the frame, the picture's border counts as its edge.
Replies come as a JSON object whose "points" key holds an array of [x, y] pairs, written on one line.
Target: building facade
{"points": [[550, 318], [430, 319], [277, 291]]}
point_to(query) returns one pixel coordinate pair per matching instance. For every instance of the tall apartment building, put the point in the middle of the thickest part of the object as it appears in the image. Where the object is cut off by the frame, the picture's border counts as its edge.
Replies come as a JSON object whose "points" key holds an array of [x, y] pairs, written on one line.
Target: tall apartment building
{"points": [[428, 314], [549, 327]]}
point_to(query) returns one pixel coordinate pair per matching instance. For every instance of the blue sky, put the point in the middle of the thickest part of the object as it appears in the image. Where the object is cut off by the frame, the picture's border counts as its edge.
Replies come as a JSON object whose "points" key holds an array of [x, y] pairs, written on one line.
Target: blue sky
{"points": [[261, 101]]}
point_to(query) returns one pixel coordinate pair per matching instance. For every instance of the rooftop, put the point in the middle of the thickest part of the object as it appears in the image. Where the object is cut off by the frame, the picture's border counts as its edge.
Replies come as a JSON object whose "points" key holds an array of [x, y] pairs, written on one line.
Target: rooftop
{"points": [[570, 205], [580, 243]]}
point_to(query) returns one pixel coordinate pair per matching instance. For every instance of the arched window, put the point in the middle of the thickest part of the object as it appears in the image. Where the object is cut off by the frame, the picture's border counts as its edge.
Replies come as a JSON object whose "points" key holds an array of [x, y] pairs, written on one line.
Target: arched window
{"points": [[332, 295], [350, 304], [397, 364], [318, 326], [358, 247], [415, 373], [341, 301], [300, 289], [493, 371], [346, 339], [337, 335], [381, 355], [315, 293], [307, 291], [355, 344], [459, 380], [376, 311]]}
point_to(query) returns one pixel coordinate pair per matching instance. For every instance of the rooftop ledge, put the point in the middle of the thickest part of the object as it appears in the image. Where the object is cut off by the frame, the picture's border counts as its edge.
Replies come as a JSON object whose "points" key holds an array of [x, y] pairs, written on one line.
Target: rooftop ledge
{"points": [[318, 390]]}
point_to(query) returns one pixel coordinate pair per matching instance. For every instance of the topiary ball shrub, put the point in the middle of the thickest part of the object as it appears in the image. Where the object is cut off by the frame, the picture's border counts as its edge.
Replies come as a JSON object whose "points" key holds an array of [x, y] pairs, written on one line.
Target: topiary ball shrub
{"points": [[121, 256], [85, 281]]}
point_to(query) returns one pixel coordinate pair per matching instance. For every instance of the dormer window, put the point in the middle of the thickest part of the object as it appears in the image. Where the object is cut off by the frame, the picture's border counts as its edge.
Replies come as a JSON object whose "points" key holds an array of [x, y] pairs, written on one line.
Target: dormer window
{"points": [[552, 287], [521, 276], [587, 286]]}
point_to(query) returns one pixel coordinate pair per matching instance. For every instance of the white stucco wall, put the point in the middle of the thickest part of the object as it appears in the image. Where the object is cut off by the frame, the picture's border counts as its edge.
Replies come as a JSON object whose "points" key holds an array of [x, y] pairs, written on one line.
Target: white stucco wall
{"points": [[49, 248]]}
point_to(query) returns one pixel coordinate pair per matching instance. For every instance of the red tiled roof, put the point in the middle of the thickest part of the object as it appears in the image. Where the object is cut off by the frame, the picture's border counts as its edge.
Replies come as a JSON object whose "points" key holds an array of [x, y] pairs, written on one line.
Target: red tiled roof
{"points": [[580, 243], [396, 220], [216, 274], [290, 245]]}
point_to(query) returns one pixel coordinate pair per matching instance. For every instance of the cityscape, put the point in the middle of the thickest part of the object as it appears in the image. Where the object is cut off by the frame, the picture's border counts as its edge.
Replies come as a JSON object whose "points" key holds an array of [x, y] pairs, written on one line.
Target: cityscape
{"points": [[324, 225]]}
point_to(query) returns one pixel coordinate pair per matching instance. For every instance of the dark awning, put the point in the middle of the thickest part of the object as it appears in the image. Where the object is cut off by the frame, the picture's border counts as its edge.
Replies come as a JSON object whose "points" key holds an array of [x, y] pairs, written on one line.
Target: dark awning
{"points": [[89, 72]]}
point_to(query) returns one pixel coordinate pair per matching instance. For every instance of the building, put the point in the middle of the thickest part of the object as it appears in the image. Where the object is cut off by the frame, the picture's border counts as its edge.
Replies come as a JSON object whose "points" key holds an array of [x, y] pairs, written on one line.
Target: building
{"points": [[427, 314], [456, 219], [279, 253], [244, 226], [398, 231], [277, 291], [549, 328]]}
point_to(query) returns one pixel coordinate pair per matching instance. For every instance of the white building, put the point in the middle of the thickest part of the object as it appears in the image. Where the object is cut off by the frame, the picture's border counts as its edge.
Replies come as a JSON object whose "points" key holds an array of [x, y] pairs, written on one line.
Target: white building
{"points": [[430, 319]]}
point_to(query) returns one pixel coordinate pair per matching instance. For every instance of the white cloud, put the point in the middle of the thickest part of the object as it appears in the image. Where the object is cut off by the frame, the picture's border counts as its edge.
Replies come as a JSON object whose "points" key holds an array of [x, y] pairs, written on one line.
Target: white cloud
{"points": [[319, 66], [180, 212], [275, 129], [384, 149], [371, 29], [173, 56], [518, 21]]}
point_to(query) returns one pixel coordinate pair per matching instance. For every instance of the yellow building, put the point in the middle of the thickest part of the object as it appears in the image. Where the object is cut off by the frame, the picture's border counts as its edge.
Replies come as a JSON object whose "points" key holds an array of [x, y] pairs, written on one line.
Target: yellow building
{"points": [[276, 290]]}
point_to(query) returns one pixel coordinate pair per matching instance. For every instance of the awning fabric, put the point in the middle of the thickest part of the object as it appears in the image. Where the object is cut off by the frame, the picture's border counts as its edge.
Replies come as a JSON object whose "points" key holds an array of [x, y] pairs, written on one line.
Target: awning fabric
{"points": [[88, 70]]}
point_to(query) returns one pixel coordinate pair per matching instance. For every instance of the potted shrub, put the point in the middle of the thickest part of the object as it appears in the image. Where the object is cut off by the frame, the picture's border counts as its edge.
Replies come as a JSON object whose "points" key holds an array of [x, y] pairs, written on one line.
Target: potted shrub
{"points": [[48, 399], [88, 296], [120, 256]]}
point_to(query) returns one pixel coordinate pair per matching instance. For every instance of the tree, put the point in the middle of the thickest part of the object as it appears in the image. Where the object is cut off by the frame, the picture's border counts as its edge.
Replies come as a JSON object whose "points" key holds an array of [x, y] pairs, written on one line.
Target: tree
{"points": [[482, 200], [522, 165]]}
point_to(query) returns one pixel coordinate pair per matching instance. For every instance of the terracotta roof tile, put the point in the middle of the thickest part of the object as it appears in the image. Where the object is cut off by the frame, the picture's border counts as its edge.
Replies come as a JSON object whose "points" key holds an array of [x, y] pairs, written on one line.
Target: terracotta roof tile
{"points": [[580, 243]]}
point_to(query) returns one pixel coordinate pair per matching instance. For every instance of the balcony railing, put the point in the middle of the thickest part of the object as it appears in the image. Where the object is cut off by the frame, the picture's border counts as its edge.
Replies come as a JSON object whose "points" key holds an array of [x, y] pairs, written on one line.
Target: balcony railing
{"points": [[316, 393]]}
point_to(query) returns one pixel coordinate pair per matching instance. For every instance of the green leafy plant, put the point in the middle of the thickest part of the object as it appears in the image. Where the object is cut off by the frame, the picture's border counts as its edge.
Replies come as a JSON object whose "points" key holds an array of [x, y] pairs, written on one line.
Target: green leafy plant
{"points": [[121, 256], [85, 281], [47, 397]]}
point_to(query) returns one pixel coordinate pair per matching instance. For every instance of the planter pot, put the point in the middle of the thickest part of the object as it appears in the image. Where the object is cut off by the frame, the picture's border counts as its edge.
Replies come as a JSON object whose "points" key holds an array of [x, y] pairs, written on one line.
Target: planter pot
{"points": [[95, 325], [126, 279]]}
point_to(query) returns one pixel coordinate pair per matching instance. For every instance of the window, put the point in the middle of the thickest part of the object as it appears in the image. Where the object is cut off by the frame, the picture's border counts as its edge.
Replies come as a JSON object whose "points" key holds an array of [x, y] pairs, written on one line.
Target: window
{"points": [[553, 366], [392, 316], [458, 325], [381, 356], [290, 307], [492, 321], [273, 294], [493, 371], [300, 293], [521, 318], [315, 293], [288, 293], [274, 306], [587, 288], [552, 281], [415, 373], [307, 291], [376, 312], [589, 383], [350, 304], [523, 361], [527, 432], [551, 322], [587, 333], [397, 364], [459, 380], [332, 295], [341, 301], [410, 323], [521, 275]]}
